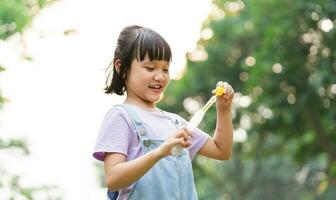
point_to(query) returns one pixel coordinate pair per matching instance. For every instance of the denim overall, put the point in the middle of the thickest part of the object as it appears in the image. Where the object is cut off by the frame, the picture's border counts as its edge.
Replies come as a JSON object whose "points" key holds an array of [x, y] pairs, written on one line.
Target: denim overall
{"points": [[171, 178]]}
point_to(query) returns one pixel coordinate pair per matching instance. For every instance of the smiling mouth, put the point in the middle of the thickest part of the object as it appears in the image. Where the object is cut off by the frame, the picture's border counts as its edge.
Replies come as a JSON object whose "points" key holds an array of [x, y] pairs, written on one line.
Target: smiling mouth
{"points": [[157, 87]]}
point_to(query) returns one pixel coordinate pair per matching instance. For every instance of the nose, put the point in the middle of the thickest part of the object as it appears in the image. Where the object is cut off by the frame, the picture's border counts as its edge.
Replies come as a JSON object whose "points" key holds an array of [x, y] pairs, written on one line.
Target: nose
{"points": [[160, 76]]}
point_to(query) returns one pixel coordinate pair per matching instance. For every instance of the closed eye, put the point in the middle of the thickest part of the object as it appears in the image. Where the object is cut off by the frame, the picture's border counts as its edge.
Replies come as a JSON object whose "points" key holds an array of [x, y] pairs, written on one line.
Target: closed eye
{"points": [[149, 68]]}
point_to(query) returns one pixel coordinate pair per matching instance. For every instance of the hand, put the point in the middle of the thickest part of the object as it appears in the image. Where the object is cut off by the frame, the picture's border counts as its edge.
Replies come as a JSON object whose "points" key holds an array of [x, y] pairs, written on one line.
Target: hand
{"points": [[182, 137], [224, 101]]}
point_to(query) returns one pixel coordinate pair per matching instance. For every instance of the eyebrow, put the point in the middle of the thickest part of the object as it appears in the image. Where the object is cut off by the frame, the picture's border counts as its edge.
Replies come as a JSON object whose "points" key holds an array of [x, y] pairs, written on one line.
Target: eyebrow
{"points": [[147, 62], [153, 64]]}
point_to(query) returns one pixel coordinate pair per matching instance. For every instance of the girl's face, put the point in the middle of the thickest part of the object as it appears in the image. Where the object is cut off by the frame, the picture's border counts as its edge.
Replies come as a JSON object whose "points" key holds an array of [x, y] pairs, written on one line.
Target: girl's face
{"points": [[147, 81]]}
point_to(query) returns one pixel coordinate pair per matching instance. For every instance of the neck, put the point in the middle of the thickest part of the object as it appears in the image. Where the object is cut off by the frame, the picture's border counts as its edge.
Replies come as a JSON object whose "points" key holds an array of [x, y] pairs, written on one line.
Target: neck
{"points": [[149, 106]]}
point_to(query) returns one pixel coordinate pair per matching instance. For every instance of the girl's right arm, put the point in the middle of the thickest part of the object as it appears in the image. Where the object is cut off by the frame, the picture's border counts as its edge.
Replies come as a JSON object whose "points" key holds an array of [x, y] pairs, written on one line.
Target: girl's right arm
{"points": [[120, 174]]}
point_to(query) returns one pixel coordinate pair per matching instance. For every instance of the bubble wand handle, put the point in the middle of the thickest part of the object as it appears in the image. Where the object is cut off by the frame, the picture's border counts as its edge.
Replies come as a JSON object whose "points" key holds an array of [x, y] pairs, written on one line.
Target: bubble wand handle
{"points": [[197, 118]]}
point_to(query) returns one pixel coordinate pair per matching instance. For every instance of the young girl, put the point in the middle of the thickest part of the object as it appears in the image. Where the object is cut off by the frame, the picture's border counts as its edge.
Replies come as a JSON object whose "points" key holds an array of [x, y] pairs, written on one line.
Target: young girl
{"points": [[136, 137]]}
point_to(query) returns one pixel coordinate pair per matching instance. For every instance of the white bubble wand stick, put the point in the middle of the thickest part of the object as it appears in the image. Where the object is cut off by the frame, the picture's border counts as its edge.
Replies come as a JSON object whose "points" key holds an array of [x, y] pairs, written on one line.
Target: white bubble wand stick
{"points": [[197, 118]]}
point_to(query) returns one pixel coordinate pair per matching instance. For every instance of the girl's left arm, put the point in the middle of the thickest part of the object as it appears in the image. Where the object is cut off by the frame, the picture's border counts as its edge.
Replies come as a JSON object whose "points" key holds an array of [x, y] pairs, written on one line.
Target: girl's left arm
{"points": [[220, 145]]}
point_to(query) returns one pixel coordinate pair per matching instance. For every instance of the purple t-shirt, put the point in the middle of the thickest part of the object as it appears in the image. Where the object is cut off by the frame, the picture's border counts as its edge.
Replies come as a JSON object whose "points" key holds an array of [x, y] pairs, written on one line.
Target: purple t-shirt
{"points": [[117, 134]]}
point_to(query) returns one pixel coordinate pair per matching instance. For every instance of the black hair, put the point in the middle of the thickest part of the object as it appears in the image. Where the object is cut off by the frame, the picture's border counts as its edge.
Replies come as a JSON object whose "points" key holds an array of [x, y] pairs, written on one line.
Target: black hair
{"points": [[134, 42]]}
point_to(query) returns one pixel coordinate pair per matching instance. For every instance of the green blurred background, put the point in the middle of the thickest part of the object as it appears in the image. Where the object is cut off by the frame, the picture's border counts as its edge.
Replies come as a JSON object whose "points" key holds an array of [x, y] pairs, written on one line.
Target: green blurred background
{"points": [[279, 56]]}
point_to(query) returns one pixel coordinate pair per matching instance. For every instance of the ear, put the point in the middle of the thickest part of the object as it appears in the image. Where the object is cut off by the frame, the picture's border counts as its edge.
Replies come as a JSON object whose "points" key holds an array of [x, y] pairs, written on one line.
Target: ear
{"points": [[117, 65]]}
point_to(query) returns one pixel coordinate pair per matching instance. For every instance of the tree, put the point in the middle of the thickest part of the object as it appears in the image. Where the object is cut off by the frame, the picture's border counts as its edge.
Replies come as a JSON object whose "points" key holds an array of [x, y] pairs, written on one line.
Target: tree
{"points": [[15, 16], [280, 58]]}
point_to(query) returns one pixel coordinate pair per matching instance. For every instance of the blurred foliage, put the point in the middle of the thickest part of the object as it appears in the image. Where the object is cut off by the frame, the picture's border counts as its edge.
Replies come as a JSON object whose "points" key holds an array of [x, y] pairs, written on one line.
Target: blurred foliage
{"points": [[99, 166], [15, 15], [279, 56], [11, 186], [14, 144]]}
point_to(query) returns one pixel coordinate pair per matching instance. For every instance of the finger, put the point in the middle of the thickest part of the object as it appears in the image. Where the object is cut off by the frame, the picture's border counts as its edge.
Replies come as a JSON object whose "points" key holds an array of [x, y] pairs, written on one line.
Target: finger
{"points": [[220, 84], [182, 142], [232, 92], [229, 90], [187, 131], [189, 143], [182, 135], [187, 138], [178, 141], [226, 87], [179, 133]]}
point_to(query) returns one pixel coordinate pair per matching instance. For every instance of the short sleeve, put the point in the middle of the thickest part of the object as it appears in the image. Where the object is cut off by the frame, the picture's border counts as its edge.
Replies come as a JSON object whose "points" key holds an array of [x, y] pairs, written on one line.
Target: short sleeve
{"points": [[114, 134], [199, 138]]}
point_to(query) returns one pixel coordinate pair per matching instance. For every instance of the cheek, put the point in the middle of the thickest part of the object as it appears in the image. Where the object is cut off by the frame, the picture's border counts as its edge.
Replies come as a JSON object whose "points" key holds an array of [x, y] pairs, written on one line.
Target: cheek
{"points": [[168, 78]]}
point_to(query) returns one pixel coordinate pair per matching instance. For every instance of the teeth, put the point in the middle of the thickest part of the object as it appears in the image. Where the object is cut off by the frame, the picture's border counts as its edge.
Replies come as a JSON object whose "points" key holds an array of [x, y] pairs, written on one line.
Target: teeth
{"points": [[155, 86]]}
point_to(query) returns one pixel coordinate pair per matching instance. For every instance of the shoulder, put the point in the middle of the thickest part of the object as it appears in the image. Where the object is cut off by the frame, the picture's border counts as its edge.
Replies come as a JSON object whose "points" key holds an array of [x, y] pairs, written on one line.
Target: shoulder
{"points": [[116, 111], [117, 115]]}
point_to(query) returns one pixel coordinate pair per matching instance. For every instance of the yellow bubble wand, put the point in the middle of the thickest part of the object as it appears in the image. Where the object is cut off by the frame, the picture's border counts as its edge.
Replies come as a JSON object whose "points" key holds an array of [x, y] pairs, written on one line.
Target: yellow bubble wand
{"points": [[198, 116]]}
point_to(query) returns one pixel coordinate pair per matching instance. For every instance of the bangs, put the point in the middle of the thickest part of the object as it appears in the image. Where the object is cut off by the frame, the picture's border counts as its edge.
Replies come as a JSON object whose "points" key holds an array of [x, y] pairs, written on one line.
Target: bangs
{"points": [[151, 43]]}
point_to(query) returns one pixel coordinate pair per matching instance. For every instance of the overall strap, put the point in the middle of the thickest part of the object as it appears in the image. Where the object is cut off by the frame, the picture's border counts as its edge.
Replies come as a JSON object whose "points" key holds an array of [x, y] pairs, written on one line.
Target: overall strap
{"points": [[136, 121]]}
